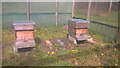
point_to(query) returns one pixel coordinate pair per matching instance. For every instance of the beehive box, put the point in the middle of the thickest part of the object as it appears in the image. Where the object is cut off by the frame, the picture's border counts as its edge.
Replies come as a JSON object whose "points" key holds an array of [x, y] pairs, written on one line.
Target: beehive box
{"points": [[77, 29], [24, 34]]}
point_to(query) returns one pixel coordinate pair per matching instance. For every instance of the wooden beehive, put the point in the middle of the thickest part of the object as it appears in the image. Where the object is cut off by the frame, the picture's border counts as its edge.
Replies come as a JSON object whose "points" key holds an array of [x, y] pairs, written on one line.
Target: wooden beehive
{"points": [[77, 28], [24, 34]]}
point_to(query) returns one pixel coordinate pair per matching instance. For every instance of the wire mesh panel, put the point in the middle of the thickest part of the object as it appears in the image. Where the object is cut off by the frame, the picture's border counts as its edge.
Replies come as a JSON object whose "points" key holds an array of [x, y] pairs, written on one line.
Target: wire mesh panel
{"points": [[103, 16], [12, 11], [109, 32], [81, 9], [104, 12], [64, 12], [43, 13]]}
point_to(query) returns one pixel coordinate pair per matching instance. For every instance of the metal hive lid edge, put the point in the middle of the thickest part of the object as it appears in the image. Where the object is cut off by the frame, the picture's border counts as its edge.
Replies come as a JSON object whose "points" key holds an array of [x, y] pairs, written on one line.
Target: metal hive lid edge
{"points": [[79, 21], [24, 22]]}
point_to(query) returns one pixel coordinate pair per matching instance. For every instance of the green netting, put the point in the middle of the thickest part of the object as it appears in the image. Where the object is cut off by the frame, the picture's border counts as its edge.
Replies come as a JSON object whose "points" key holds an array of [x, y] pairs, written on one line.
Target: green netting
{"points": [[102, 13], [43, 13], [63, 19], [65, 7], [13, 7], [7, 19], [110, 33], [42, 7]]}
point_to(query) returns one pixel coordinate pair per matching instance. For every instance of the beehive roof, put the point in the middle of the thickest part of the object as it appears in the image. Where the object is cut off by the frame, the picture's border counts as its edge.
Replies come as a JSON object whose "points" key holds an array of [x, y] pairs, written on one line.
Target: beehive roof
{"points": [[79, 21], [24, 22]]}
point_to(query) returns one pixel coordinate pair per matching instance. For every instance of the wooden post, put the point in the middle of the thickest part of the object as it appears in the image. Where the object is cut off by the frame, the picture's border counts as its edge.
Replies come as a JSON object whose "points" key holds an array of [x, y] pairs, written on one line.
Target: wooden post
{"points": [[56, 14], [88, 13], [110, 7], [73, 8], [118, 37], [28, 10]]}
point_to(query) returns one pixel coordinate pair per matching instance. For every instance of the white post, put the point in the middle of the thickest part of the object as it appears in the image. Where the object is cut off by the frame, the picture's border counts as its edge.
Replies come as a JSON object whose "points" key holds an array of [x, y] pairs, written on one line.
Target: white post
{"points": [[110, 6], [56, 14], [73, 8], [88, 13], [28, 10]]}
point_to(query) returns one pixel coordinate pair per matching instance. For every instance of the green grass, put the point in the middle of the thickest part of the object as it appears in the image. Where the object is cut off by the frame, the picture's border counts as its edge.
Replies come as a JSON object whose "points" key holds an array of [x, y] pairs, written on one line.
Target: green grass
{"points": [[50, 32], [80, 55]]}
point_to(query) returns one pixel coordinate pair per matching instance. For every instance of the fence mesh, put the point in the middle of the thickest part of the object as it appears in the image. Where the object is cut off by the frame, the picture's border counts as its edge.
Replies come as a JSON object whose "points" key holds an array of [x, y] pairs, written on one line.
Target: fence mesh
{"points": [[103, 16], [43, 13]]}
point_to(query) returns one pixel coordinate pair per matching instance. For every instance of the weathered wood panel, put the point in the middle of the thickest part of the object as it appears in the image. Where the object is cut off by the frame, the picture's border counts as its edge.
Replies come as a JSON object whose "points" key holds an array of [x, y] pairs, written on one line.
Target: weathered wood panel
{"points": [[29, 43], [25, 34], [77, 31], [81, 31], [24, 27]]}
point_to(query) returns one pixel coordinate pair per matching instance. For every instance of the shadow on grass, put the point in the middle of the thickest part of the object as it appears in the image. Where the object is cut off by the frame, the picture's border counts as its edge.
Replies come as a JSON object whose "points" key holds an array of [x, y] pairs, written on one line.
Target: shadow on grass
{"points": [[81, 42], [21, 50]]}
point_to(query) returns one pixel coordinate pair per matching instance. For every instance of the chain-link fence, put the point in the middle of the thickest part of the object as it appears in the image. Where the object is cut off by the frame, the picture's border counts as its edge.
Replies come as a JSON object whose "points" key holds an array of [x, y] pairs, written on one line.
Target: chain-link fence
{"points": [[103, 16]]}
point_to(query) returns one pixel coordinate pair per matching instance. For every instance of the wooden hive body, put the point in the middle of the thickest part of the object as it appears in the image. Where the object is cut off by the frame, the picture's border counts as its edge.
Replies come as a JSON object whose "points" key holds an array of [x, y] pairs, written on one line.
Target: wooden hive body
{"points": [[77, 28], [24, 34]]}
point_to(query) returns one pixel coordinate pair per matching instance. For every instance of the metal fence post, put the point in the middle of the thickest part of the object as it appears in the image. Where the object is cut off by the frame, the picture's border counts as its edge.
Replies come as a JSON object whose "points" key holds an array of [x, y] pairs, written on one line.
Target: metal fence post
{"points": [[56, 14], [73, 8], [28, 9], [88, 13]]}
